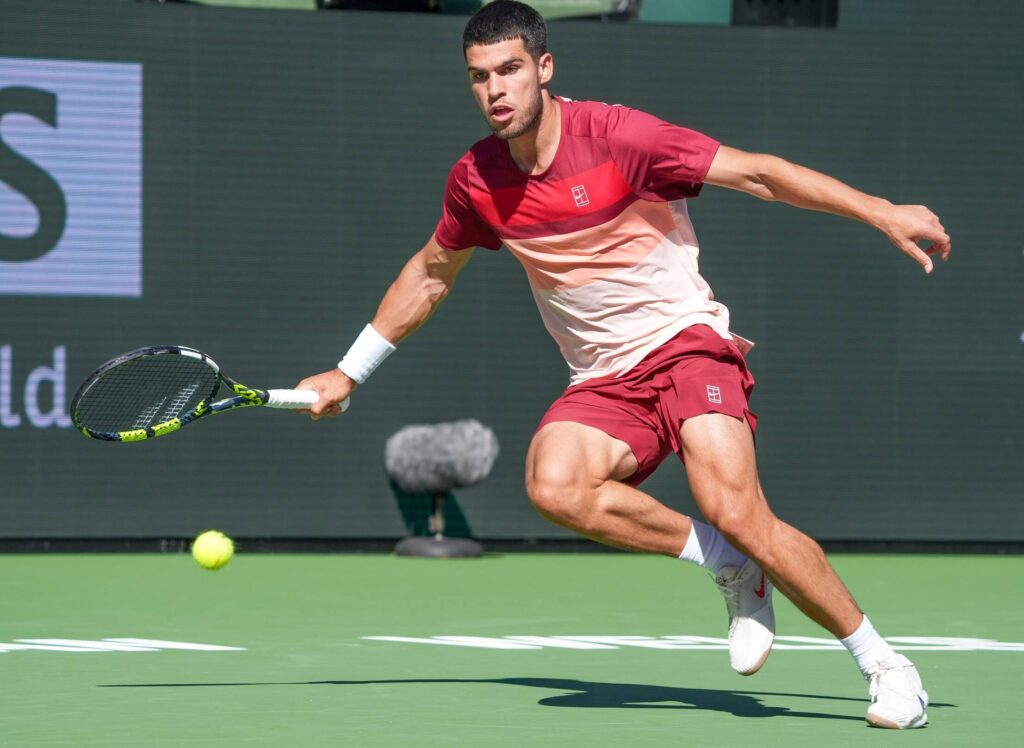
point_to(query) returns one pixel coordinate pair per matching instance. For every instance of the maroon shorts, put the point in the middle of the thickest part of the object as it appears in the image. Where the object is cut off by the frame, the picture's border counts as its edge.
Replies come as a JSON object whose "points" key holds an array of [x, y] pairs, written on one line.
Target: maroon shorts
{"points": [[695, 372]]}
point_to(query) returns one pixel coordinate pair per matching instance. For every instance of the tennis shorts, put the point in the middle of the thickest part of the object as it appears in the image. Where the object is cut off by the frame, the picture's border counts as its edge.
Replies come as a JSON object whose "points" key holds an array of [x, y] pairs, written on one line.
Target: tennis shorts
{"points": [[696, 372]]}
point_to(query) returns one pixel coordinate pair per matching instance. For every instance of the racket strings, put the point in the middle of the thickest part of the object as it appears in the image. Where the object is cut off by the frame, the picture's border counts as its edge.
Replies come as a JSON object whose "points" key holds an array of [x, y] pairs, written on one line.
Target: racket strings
{"points": [[145, 391]]}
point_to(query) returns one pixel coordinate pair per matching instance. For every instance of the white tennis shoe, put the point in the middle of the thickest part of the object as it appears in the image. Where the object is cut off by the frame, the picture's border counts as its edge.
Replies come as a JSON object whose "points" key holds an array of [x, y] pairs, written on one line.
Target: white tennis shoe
{"points": [[898, 699], [748, 598]]}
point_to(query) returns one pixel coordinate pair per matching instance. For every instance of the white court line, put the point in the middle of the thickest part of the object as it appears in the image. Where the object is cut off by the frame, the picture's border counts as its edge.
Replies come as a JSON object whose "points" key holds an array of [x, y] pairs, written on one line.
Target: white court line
{"points": [[109, 645], [682, 643]]}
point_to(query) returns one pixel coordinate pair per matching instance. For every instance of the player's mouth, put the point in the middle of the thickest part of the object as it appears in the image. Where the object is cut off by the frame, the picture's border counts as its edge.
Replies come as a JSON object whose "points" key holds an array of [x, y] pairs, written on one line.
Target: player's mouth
{"points": [[501, 113]]}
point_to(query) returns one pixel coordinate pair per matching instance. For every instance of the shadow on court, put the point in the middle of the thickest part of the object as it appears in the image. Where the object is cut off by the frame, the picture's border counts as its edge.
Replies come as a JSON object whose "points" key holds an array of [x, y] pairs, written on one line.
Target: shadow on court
{"points": [[594, 695]]}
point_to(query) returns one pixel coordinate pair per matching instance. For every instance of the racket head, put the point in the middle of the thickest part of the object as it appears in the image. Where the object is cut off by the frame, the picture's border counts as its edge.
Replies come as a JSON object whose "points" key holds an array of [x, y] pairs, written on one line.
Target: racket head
{"points": [[144, 393]]}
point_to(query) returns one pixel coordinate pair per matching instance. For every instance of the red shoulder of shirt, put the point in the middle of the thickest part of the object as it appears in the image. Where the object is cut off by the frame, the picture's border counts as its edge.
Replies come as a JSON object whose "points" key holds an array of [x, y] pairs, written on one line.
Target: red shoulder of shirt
{"points": [[460, 225]]}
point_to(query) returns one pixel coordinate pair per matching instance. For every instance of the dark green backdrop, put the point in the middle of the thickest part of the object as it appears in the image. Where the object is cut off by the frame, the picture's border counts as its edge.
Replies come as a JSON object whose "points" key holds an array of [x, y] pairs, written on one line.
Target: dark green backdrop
{"points": [[292, 162]]}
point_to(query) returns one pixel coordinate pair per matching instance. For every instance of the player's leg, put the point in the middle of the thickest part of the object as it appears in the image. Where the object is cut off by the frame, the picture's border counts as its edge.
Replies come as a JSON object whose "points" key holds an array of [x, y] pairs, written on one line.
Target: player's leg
{"points": [[719, 453], [574, 477]]}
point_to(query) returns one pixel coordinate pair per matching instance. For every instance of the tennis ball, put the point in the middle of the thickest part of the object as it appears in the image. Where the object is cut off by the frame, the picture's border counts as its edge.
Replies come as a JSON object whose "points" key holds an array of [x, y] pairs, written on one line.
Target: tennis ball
{"points": [[212, 549]]}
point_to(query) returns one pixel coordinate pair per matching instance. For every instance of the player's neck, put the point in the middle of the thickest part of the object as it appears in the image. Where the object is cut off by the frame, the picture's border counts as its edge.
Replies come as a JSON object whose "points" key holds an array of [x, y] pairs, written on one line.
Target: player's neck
{"points": [[534, 151]]}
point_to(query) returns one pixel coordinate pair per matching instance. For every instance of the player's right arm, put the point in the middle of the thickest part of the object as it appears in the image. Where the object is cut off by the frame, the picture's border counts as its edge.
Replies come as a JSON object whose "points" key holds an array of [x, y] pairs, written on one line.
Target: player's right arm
{"points": [[420, 287], [424, 282]]}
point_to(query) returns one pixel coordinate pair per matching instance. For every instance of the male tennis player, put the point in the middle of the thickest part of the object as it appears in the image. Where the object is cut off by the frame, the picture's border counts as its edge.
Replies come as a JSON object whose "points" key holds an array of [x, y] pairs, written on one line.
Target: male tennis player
{"points": [[591, 199]]}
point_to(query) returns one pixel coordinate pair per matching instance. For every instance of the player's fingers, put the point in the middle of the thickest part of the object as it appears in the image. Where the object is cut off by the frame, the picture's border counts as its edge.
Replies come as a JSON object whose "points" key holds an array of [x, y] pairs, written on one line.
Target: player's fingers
{"points": [[919, 256], [941, 246], [316, 410], [319, 411], [945, 246]]}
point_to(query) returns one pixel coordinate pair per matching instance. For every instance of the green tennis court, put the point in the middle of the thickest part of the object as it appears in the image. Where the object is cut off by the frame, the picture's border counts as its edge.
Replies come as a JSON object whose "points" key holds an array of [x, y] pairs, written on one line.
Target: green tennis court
{"points": [[605, 671]]}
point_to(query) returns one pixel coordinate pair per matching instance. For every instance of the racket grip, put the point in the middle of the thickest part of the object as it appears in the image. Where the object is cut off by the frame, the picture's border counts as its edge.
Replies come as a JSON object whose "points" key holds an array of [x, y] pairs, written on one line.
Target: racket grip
{"points": [[296, 399]]}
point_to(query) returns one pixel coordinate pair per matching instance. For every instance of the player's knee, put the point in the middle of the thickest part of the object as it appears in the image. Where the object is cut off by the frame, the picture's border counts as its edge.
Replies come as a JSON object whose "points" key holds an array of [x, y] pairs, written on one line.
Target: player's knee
{"points": [[557, 493], [736, 528], [747, 525]]}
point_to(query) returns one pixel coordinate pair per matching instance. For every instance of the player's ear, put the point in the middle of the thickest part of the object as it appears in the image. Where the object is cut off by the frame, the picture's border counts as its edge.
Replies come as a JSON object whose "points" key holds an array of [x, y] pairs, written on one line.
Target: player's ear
{"points": [[546, 67]]}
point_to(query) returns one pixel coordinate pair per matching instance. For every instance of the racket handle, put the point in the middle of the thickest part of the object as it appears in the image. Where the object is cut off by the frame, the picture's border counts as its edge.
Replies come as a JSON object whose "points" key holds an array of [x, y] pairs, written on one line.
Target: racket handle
{"points": [[296, 399]]}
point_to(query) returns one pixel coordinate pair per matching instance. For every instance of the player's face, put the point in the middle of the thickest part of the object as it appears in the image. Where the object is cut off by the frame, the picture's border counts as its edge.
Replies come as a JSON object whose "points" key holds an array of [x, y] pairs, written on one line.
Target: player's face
{"points": [[508, 85]]}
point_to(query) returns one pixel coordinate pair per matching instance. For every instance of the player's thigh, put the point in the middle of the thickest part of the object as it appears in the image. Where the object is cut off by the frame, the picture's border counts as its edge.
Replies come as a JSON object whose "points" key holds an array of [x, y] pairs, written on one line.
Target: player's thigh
{"points": [[565, 455], [721, 467]]}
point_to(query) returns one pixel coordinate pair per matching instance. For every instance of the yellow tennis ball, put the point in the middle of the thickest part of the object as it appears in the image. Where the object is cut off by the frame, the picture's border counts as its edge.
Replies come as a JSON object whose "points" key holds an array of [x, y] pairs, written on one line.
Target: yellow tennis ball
{"points": [[212, 549]]}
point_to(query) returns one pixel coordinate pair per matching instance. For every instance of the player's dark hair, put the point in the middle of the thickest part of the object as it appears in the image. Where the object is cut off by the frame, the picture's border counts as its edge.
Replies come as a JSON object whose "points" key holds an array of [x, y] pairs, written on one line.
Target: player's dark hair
{"points": [[505, 20]]}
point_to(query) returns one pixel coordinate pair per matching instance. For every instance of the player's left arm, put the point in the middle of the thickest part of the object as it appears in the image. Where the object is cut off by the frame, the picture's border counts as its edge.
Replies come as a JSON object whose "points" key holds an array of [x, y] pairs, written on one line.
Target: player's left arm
{"points": [[773, 178]]}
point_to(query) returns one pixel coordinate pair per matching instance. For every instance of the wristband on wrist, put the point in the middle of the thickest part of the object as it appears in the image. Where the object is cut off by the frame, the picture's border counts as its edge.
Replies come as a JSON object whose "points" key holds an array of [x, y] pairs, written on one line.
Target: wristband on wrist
{"points": [[365, 355]]}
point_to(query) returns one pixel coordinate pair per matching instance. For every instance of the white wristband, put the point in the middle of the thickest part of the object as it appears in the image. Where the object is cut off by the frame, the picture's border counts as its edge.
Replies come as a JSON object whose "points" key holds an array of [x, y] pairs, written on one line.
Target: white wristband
{"points": [[365, 355]]}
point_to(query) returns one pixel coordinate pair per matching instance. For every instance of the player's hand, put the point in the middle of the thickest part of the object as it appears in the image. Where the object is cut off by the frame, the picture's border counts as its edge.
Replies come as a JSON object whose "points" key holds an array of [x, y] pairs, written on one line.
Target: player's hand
{"points": [[906, 225], [333, 387]]}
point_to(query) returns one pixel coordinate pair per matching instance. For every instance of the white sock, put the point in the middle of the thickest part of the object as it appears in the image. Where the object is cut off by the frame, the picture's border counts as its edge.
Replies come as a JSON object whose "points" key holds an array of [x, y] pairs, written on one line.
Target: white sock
{"points": [[707, 547], [866, 646]]}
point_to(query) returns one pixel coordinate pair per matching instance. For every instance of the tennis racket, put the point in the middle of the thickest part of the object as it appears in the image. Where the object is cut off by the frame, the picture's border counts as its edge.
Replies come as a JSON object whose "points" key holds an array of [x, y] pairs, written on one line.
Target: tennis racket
{"points": [[154, 391]]}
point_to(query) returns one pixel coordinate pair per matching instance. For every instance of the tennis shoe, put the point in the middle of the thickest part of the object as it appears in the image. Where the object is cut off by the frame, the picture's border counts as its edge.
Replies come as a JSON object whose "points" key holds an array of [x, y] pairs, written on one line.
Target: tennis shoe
{"points": [[748, 598], [898, 700]]}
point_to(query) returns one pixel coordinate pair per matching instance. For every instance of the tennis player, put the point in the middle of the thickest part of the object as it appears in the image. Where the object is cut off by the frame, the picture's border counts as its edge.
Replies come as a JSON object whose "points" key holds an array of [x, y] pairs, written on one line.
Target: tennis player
{"points": [[591, 199]]}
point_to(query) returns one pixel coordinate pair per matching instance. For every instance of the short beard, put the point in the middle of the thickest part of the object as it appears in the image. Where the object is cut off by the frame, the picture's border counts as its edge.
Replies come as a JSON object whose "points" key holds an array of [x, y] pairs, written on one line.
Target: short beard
{"points": [[514, 131]]}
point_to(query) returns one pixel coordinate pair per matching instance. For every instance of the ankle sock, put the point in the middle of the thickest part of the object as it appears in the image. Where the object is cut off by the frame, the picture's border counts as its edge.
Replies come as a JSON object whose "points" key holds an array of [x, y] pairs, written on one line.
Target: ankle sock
{"points": [[707, 547], [866, 646]]}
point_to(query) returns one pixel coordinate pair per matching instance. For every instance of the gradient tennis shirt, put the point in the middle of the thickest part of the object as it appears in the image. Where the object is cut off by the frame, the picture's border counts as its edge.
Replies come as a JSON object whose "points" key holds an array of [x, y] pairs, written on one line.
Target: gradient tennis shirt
{"points": [[603, 233]]}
